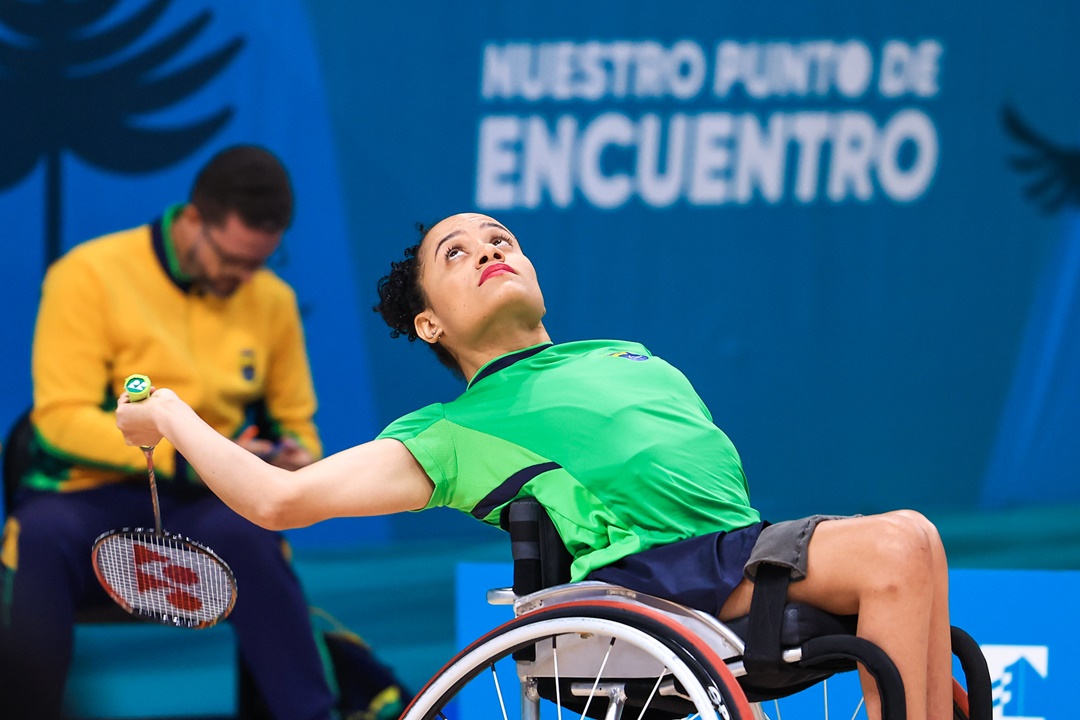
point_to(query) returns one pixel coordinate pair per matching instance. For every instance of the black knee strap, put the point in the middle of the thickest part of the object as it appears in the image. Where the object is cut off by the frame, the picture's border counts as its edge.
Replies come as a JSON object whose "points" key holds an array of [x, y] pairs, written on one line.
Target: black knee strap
{"points": [[763, 652]]}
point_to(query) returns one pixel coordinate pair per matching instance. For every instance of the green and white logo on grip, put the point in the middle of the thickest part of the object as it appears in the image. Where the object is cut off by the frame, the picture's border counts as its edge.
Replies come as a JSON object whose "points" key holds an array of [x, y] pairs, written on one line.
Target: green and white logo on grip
{"points": [[137, 387]]}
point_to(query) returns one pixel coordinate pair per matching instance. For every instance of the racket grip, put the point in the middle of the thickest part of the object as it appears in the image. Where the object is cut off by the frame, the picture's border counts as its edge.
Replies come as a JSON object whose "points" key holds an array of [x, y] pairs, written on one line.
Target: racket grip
{"points": [[137, 387]]}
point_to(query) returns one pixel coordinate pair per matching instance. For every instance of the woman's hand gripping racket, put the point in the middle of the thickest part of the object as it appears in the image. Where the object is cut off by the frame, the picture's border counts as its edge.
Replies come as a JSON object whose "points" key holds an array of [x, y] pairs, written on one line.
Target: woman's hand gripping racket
{"points": [[163, 577]]}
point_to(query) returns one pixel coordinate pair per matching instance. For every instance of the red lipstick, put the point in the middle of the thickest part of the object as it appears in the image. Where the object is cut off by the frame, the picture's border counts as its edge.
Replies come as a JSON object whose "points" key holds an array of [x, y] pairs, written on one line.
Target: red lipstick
{"points": [[493, 270]]}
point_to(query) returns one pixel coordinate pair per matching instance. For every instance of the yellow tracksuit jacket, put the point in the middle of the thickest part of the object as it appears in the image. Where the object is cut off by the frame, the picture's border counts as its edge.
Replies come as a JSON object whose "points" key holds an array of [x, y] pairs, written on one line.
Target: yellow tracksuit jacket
{"points": [[118, 305]]}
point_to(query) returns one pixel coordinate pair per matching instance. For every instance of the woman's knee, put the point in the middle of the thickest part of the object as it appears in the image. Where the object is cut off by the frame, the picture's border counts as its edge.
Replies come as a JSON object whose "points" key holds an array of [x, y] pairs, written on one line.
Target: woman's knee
{"points": [[921, 526], [910, 551], [903, 550], [909, 532], [881, 555], [920, 521], [937, 547]]}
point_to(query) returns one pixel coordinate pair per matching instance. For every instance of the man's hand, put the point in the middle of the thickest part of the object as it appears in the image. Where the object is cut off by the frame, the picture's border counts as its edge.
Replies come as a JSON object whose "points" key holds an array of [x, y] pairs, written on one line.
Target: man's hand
{"points": [[290, 455], [286, 454]]}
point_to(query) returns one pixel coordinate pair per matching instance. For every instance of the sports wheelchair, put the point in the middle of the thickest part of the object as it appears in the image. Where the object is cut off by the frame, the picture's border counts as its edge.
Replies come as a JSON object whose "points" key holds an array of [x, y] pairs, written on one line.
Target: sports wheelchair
{"points": [[603, 651]]}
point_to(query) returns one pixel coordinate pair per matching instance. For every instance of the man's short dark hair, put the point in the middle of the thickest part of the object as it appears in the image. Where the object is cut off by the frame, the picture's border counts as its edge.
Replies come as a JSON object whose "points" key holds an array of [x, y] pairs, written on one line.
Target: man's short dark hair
{"points": [[247, 180]]}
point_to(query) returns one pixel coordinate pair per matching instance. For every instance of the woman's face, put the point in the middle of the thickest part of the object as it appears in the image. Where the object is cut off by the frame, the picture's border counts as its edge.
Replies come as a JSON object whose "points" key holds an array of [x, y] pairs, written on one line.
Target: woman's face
{"points": [[477, 282]]}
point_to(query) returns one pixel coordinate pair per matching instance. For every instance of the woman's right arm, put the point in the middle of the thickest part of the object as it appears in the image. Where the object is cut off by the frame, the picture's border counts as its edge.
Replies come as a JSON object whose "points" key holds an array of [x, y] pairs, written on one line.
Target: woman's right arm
{"points": [[376, 478]]}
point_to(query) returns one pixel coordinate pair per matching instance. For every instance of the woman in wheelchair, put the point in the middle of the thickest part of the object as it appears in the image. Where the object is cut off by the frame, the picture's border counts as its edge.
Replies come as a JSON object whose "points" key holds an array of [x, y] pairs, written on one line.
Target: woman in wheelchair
{"points": [[644, 490]]}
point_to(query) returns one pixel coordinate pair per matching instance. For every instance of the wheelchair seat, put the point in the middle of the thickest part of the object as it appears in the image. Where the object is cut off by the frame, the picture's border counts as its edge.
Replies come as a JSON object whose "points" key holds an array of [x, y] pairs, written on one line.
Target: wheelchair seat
{"points": [[800, 623]]}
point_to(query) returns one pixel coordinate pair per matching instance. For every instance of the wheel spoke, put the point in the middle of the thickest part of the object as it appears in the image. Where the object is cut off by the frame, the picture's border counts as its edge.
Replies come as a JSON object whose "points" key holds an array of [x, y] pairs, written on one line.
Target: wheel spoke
{"points": [[596, 683], [498, 691], [648, 700], [558, 690]]}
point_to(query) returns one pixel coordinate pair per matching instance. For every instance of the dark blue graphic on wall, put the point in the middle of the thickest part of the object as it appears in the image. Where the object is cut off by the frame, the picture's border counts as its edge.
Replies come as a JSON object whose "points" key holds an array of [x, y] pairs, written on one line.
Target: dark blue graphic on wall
{"points": [[76, 89]]}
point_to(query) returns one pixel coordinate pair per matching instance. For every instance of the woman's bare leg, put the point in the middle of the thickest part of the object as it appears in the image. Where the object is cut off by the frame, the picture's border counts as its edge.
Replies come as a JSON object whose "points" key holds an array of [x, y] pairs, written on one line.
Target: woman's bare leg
{"points": [[889, 569], [939, 649]]}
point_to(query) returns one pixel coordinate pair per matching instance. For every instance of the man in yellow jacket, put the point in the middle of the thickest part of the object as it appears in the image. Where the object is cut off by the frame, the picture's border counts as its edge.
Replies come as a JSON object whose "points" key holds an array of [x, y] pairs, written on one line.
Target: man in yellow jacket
{"points": [[188, 300]]}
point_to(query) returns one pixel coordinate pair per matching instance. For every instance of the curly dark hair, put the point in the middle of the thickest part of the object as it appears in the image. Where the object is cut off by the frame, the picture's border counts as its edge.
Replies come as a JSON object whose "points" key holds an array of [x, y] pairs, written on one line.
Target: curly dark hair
{"points": [[401, 299]]}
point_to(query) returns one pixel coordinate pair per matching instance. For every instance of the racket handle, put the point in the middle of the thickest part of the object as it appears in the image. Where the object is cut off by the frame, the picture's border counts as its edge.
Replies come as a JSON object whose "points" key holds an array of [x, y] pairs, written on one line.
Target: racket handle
{"points": [[137, 387]]}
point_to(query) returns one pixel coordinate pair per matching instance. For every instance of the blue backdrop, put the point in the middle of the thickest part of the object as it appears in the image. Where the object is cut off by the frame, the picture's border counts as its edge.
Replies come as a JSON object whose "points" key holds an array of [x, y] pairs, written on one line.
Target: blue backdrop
{"points": [[852, 227]]}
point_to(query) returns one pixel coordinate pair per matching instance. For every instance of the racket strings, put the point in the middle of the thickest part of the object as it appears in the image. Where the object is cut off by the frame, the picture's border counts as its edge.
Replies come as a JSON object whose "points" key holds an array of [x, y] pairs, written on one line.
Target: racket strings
{"points": [[165, 577]]}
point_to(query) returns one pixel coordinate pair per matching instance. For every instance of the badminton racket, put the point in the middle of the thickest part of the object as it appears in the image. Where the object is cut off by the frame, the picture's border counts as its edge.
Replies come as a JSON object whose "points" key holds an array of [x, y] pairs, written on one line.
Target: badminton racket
{"points": [[157, 575]]}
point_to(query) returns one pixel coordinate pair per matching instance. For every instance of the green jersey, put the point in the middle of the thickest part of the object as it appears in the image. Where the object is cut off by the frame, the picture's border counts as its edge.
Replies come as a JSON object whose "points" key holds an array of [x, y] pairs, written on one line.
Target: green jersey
{"points": [[611, 440]]}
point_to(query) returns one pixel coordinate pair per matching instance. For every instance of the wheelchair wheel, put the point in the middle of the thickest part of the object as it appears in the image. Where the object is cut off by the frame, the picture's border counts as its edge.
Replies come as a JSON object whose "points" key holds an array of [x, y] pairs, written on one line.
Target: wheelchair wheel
{"points": [[596, 658]]}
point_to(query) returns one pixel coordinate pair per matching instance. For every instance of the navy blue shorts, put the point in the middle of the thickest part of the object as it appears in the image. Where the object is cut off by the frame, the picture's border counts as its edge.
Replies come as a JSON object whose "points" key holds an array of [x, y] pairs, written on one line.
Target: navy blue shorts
{"points": [[700, 572]]}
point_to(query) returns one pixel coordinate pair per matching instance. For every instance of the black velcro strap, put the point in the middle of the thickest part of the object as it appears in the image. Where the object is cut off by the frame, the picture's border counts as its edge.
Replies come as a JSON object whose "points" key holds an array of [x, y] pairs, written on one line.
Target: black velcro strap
{"points": [[763, 652], [522, 519], [555, 559], [541, 560]]}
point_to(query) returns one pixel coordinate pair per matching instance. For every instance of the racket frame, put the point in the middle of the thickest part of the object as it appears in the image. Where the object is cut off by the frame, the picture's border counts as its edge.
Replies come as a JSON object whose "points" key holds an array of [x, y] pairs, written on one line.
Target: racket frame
{"points": [[154, 536]]}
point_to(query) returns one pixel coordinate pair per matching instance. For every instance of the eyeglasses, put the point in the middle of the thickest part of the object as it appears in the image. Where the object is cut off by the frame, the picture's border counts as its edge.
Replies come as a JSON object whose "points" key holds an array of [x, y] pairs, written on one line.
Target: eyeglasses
{"points": [[277, 259]]}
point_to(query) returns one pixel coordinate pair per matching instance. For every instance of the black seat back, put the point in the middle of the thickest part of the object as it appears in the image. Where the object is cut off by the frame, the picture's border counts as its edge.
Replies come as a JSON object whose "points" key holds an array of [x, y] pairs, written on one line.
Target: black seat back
{"points": [[541, 560]]}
